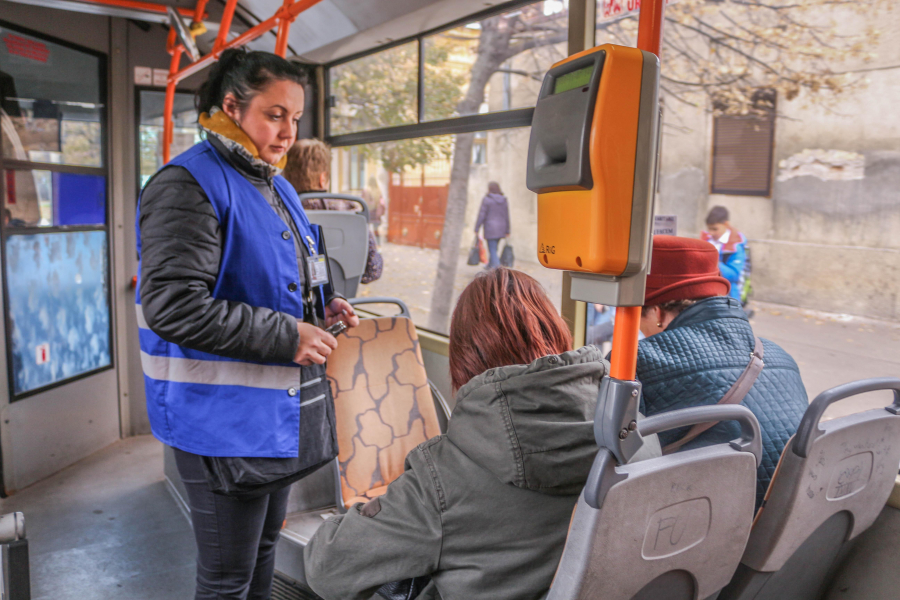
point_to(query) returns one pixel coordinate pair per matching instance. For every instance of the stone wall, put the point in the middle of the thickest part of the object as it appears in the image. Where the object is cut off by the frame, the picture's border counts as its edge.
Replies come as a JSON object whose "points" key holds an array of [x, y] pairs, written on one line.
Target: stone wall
{"points": [[829, 236]]}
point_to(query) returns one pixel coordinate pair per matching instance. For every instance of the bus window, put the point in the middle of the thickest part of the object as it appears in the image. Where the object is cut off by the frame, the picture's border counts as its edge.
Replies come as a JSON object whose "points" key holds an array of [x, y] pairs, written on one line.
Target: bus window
{"points": [[150, 130], [413, 180]]}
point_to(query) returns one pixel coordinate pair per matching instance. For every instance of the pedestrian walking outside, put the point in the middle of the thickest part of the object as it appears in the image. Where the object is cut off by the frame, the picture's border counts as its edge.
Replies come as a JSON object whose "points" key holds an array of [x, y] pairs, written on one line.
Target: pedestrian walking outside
{"points": [[494, 217], [732, 247]]}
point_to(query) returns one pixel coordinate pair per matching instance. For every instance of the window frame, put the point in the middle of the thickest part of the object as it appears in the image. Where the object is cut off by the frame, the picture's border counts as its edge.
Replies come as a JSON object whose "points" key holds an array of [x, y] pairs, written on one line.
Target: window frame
{"points": [[579, 38], [138, 90], [771, 116], [8, 164], [508, 119]]}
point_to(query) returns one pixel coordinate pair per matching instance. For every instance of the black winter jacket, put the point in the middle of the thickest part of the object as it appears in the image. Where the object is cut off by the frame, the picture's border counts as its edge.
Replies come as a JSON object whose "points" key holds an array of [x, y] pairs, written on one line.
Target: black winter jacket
{"points": [[182, 244]]}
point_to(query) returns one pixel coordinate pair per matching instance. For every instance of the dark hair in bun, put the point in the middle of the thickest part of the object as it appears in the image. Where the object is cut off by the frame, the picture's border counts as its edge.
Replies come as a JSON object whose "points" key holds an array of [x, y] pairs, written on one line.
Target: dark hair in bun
{"points": [[245, 74]]}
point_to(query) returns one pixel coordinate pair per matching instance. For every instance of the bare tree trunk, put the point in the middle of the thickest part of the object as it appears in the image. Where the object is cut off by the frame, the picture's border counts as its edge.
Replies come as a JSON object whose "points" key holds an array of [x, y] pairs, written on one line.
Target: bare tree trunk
{"points": [[454, 221], [493, 46]]}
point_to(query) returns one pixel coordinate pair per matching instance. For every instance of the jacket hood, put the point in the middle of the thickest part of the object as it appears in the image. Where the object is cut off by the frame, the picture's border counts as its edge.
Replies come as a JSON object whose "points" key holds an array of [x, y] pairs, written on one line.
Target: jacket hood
{"points": [[532, 425]]}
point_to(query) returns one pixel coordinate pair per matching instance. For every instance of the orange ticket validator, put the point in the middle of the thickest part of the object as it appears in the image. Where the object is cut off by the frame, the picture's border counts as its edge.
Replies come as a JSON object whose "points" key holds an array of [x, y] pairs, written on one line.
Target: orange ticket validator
{"points": [[592, 160]]}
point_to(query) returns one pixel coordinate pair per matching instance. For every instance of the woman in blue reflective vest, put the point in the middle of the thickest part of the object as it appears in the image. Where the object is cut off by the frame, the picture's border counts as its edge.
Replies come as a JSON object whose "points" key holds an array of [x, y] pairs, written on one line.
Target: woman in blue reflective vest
{"points": [[231, 307]]}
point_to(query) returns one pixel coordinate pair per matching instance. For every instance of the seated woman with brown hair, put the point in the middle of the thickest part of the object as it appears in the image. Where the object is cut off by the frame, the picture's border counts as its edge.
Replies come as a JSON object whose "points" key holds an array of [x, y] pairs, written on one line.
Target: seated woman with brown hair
{"points": [[307, 170], [484, 509]]}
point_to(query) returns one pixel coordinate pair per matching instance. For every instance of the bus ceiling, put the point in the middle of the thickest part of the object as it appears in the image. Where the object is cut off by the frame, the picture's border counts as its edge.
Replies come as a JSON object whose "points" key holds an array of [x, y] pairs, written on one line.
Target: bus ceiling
{"points": [[330, 31]]}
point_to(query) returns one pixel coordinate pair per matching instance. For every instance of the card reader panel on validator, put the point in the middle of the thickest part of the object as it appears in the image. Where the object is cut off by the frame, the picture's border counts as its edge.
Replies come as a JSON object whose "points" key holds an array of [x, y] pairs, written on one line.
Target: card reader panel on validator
{"points": [[592, 160]]}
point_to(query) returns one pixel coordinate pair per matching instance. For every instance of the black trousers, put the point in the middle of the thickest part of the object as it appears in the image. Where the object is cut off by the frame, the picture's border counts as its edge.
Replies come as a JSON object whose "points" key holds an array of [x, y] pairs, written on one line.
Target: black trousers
{"points": [[235, 538]]}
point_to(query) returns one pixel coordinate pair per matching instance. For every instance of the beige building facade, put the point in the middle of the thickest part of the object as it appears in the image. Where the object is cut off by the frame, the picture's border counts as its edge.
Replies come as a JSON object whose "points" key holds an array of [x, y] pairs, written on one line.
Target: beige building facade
{"points": [[827, 237]]}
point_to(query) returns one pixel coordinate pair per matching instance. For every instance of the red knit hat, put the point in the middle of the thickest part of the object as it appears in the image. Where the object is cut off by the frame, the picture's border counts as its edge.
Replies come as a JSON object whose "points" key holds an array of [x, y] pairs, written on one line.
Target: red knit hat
{"points": [[683, 269]]}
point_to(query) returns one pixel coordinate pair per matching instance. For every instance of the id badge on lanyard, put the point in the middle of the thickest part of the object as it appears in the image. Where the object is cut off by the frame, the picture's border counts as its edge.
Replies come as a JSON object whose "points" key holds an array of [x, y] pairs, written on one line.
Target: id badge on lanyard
{"points": [[317, 274], [316, 265]]}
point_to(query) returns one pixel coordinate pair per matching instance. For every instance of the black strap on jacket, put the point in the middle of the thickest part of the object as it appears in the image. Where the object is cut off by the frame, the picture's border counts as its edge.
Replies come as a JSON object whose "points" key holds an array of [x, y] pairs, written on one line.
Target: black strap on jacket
{"points": [[735, 395]]}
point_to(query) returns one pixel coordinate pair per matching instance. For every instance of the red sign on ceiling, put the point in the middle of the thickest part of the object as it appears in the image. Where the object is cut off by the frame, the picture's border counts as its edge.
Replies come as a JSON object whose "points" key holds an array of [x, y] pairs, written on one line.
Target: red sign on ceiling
{"points": [[31, 49]]}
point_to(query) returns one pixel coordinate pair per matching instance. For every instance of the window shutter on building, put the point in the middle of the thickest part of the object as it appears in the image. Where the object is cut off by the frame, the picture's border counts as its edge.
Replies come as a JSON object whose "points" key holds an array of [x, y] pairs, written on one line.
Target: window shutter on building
{"points": [[743, 149]]}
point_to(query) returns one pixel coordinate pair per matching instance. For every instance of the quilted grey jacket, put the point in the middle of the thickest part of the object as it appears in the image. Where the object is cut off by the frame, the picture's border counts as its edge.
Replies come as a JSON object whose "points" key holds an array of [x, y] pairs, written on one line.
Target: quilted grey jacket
{"points": [[698, 358]]}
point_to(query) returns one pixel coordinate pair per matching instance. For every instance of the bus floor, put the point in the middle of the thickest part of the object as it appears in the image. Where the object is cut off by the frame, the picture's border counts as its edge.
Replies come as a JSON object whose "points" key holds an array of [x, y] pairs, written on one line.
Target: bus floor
{"points": [[107, 528]]}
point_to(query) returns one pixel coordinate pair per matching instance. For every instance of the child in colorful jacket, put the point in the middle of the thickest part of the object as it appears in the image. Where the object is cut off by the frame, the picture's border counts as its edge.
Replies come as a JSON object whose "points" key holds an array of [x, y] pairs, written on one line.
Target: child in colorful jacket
{"points": [[734, 264]]}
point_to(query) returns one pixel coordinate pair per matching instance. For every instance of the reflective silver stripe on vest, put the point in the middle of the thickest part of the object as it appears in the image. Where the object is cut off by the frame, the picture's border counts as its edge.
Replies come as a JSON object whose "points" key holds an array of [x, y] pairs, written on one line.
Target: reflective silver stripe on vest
{"points": [[142, 322], [313, 401], [306, 384], [213, 372]]}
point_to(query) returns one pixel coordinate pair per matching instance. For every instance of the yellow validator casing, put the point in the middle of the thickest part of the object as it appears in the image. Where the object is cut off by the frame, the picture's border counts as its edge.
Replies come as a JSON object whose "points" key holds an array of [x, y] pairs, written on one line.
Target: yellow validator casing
{"points": [[592, 160]]}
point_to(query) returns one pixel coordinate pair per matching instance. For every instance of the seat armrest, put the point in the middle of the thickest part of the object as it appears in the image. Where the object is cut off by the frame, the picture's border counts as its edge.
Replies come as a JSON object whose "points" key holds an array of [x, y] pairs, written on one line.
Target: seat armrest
{"points": [[329, 196], [404, 310]]}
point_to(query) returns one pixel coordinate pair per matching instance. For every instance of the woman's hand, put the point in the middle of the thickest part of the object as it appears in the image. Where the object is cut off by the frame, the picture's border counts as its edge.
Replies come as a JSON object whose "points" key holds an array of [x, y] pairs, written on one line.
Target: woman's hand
{"points": [[340, 310], [315, 345]]}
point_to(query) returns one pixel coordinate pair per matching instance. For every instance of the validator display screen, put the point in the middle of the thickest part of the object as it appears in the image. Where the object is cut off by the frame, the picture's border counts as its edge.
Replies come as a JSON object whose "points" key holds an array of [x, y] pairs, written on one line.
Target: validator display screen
{"points": [[573, 80]]}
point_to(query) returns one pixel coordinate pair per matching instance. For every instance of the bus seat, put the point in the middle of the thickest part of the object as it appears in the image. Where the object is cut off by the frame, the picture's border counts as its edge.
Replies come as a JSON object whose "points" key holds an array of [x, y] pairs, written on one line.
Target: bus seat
{"points": [[383, 403], [831, 483], [667, 528], [346, 238]]}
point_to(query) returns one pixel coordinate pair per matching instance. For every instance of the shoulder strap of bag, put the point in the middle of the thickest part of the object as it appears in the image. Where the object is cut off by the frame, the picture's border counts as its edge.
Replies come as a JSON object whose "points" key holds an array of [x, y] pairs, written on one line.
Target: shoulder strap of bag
{"points": [[735, 395]]}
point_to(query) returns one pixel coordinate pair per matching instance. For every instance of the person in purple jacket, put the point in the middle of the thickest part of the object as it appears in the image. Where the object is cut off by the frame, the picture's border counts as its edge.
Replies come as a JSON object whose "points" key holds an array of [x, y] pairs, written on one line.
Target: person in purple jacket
{"points": [[494, 216]]}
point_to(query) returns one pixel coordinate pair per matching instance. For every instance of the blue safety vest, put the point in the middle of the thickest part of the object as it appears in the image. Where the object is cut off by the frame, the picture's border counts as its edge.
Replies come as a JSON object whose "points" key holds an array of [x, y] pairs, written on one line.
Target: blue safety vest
{"points": [[212, 405]]}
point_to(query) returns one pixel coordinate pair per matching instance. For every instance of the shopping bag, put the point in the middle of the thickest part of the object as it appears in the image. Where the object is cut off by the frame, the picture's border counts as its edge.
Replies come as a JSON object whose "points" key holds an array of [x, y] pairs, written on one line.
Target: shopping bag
{"points": [[474, 254], [482, 251], [508, 256]]}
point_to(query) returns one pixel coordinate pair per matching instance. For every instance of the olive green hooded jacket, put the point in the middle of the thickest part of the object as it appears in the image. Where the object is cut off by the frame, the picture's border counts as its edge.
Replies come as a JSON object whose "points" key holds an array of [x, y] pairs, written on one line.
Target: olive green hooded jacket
{"points": [[484, 509]]}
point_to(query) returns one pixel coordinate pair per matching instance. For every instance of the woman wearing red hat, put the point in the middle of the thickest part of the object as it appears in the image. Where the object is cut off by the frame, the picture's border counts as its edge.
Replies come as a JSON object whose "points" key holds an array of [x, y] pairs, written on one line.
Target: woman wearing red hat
{"points": [[700, 349]]}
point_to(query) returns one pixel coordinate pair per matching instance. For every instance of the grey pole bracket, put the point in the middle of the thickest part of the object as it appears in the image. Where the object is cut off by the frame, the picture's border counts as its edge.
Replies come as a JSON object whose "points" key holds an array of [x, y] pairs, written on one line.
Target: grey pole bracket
{"points": [[616, 418]]}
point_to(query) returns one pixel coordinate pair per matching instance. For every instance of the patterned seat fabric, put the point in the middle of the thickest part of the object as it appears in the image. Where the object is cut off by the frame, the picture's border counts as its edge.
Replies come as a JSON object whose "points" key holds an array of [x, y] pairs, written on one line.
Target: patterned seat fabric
{"points": [[383, 404]]}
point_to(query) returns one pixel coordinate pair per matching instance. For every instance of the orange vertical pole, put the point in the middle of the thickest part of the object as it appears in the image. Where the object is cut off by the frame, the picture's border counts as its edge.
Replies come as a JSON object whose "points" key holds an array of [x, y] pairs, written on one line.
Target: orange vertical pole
{"points": [[171, 40], [168, 125], [623, 362], [225, 25], [284, 28], [199, 10], [650, 26], [281, 42]]}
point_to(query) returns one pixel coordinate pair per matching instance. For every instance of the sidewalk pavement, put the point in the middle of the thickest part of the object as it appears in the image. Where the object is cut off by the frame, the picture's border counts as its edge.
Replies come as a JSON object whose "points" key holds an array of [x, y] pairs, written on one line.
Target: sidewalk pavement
{"points": [[830, 349], [833, 349]]}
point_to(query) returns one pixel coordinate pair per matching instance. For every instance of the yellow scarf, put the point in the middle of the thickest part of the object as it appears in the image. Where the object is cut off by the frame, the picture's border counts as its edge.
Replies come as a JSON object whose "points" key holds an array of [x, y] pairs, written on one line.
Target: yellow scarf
{"points": [[224, 126]]}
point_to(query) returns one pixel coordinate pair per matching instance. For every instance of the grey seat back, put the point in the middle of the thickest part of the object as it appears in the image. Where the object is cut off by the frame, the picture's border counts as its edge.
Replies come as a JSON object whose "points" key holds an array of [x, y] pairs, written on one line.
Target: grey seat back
{"points": [[667, 528], [346, 238], [831, 483]]}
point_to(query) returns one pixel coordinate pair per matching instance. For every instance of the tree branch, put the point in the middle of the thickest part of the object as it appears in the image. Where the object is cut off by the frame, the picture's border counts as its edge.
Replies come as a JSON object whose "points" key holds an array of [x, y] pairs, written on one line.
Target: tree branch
{"points": [[535, 43], [531, 76], [728, 46]]}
